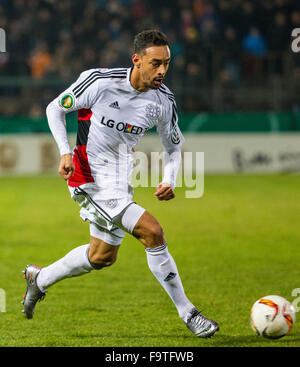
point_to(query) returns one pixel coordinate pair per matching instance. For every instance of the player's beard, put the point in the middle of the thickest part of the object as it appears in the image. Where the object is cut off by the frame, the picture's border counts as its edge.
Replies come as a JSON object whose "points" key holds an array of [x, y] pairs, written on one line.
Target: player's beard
{"points": [[154, 83]]}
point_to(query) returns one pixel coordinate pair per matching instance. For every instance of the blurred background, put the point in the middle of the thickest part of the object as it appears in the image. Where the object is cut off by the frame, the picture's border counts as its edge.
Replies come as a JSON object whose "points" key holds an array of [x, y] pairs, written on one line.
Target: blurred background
{"points": [[232, 72], [237, 86]]}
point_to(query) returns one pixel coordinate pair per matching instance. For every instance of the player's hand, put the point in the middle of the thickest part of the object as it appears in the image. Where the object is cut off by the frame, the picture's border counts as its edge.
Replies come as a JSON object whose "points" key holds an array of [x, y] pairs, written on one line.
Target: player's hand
{"points": [[66, 166], [164, 191]]}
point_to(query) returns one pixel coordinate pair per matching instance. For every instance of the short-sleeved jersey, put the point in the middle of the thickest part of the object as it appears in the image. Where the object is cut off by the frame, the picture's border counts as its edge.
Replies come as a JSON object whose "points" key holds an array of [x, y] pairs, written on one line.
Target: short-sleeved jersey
{"points": [[112, 117]]}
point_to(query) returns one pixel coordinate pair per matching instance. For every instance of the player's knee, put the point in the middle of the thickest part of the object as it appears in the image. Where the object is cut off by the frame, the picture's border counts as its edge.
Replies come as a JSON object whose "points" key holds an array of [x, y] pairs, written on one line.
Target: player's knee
{"points": [[154, 235], [149, 231]]}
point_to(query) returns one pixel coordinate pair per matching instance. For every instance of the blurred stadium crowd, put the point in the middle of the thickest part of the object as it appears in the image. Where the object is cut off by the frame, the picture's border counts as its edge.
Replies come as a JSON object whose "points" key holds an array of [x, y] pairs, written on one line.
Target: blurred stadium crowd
{"points": [[227, 54]]}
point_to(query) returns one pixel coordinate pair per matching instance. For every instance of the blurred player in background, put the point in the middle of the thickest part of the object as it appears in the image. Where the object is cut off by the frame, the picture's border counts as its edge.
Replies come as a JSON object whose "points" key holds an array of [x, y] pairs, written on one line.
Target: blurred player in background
{"points": [[115, 109]]}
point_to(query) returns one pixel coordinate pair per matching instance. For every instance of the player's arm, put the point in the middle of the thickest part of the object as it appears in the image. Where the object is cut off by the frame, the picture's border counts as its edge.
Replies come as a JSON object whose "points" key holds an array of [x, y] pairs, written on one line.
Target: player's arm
{"points": [[166, 189], [172, 140], [71, 99], [57, 124]]}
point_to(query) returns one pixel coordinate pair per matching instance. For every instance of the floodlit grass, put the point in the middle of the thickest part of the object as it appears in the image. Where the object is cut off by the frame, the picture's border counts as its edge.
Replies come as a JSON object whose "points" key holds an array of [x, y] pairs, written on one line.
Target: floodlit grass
{"points": [[237, 243]]}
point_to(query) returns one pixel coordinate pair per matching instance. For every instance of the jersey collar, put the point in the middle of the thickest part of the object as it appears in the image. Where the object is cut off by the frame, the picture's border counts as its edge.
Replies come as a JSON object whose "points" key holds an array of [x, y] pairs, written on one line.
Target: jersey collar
{"points": [[129, 71]]}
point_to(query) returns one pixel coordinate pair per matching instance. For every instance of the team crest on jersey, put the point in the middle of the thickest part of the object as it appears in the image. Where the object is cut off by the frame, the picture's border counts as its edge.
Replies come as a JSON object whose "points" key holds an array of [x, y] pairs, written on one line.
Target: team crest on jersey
{"points": [[175, 138], [67, 101], [111, 203], [152, 112]]}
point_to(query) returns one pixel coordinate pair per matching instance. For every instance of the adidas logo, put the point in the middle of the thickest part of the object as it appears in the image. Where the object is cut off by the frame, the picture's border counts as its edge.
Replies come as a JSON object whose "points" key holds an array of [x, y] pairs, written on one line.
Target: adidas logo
{"points": [[115, 105], [170, 276]]}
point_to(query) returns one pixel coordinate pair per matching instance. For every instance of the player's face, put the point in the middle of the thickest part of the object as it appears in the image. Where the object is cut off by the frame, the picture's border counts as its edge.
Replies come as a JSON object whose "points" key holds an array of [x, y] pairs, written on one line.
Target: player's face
{"points": [[153, 65]]}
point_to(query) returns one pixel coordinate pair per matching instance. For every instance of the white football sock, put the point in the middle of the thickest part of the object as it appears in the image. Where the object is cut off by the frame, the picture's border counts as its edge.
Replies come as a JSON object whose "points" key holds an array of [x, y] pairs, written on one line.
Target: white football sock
{"points": [[163, 267], [73, 264]]}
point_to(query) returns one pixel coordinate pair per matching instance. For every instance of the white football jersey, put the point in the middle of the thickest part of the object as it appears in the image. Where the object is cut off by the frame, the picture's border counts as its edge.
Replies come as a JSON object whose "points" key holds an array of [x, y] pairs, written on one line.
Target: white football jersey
{"points": [[112, 117]]}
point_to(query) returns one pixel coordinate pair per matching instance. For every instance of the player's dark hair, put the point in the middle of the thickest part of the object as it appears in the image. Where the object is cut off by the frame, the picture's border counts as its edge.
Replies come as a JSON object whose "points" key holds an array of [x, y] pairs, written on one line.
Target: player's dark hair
{"points": [[148, 38]]}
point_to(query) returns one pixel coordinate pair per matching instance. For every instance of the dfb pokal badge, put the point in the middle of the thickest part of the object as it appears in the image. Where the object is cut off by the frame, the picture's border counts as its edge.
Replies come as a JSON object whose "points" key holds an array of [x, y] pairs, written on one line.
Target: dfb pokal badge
{"points": [[152, 112]]}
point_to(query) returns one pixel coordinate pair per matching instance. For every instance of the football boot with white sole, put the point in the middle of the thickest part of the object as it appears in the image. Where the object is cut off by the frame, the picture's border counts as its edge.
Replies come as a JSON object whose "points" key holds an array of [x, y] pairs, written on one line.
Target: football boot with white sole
{"points": [[200, 325], [33, 293]]}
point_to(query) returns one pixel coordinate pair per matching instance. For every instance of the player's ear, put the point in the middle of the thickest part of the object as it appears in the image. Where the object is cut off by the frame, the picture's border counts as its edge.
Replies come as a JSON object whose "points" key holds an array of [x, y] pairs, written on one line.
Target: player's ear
{"points": [[136, 59]]}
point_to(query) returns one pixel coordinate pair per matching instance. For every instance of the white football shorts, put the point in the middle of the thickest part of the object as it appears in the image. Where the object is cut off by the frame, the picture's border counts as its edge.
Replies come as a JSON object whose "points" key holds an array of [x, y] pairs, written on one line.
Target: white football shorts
{"points": [[109, 219]]}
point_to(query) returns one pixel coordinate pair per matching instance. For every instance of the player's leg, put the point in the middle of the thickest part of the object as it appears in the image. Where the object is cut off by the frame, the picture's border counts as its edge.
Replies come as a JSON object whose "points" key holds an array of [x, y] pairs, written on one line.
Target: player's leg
{"points": [[81, 260], [100, 252], [39, 279], [161, 263], [148, 231]]}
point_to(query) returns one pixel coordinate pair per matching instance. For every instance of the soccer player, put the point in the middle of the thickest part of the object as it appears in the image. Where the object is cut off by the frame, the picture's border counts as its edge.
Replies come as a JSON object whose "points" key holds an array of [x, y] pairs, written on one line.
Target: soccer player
{"points": [[115, 109]]}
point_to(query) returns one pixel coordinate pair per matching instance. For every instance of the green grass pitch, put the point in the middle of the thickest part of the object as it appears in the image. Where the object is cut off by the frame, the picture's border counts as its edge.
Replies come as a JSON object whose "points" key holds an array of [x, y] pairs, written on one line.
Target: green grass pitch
{"points": [[239, 242]]}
